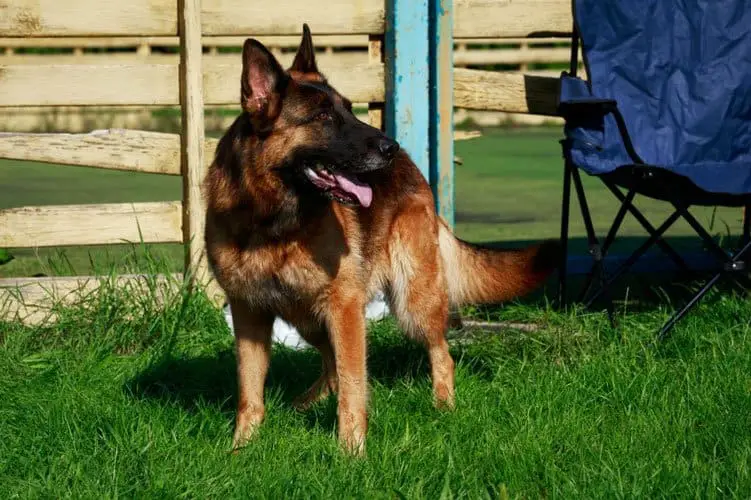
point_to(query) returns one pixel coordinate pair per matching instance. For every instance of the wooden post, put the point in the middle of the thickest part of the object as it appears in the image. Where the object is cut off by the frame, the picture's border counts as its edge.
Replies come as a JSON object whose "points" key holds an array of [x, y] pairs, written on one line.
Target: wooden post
{"points": [[144, 49], [442, 107], [407, 78], [375, 56], [523, 52], [192, 137], [441, 129]]}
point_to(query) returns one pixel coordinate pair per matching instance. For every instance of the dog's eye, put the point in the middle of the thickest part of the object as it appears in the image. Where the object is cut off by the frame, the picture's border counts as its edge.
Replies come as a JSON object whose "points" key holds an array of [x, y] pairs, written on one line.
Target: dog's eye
{"points": [[323, 116]]}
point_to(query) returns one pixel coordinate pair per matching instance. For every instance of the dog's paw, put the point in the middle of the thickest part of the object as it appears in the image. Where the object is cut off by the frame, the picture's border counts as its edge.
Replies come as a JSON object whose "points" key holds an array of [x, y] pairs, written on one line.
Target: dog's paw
{"points": [[443, 397], [248, 424]]}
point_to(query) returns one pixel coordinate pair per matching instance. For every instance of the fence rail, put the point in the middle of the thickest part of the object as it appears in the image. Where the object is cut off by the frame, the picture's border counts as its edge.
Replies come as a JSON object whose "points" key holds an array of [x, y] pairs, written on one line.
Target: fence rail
{"points": [[31, 18], [101, 224], [473, 18], [152, 84], [337, 50]]}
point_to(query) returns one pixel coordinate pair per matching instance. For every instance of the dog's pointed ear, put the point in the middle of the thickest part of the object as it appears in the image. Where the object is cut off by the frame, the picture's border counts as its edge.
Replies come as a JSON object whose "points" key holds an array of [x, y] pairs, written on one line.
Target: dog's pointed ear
{"points": [[305, 59], [261, 83]]}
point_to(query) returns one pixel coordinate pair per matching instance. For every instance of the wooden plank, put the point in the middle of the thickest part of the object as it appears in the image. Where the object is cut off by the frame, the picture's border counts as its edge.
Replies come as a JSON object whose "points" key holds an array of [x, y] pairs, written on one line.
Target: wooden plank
{"points": [[475, 57], [332, 17], [466, 135], [116, 149], [407, 60], [192, 137], [509, 92], [442, 108], [479, 57], [361, 83], [290, 41], [464, 41], [153, 85], [45, 18], [33, 300], [285, 41], [85, 85], [282, 41], [60, 225], [151, 152], [338, 59], [512, 18]]}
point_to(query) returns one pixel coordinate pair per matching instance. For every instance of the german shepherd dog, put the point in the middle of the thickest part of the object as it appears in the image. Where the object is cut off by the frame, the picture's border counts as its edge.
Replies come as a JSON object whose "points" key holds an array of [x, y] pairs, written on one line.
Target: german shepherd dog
{"points": [[310, 212]]}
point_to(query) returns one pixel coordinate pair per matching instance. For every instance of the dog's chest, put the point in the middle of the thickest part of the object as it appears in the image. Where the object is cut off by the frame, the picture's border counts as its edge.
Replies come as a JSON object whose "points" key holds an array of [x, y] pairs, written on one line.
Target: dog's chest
{"points": [[274, 277]]}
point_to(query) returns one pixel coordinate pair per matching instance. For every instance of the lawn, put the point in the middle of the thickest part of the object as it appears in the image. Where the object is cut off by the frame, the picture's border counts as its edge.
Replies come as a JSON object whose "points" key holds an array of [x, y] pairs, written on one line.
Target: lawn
{"points": [[121, 398]]}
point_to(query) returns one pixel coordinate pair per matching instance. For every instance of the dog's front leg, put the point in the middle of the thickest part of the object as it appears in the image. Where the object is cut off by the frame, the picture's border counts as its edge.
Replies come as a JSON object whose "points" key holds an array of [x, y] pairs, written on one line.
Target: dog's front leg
{"points": [[253, 331], [346, 322]]}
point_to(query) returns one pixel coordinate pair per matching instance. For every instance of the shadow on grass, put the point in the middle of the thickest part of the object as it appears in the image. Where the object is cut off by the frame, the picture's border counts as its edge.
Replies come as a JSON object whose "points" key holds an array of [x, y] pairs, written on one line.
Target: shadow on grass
{"points": [[652, 283], [210, 380]]}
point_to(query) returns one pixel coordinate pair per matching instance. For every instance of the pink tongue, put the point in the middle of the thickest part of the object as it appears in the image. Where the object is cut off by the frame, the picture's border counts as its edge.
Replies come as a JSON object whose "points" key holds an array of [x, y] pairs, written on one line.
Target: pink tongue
{"points": [[361, 191]]}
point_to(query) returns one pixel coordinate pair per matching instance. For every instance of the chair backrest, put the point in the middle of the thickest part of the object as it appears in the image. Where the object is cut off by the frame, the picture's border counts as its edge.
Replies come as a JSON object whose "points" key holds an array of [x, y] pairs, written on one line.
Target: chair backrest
{"points": [[680, 73]]}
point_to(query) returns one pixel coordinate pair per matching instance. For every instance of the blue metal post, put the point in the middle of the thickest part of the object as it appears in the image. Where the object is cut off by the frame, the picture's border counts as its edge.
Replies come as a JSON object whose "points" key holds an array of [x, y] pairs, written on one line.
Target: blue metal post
{"points": [[407, 110], [442, 107]]}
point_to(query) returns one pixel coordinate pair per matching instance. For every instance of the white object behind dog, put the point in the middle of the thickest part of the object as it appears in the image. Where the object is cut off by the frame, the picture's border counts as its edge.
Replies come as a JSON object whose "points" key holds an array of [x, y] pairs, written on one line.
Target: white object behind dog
{"points": [[286, 334]]}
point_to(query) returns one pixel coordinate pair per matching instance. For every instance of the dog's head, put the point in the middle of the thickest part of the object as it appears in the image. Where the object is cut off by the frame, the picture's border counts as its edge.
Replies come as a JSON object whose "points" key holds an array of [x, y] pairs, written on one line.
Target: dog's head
{"points": [[305, 129]]}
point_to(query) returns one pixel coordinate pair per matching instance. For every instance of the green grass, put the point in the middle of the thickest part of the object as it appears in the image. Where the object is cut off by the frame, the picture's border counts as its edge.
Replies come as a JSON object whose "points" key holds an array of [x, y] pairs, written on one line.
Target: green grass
{"points": [[120, 399], [508, 189]]}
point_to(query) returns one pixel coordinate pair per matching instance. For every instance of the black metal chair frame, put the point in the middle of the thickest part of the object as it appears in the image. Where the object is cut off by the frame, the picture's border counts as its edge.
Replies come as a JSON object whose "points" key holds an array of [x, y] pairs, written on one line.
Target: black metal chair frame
{"points": [[640, 178]]}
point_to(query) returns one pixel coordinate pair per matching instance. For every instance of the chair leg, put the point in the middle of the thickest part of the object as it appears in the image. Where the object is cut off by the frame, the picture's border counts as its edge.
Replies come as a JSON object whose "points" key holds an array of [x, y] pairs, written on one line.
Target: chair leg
{"points": [[664, 331], [626, 205], [664, 246], [609, 239], [721, 254], [746, 225], [595, 250], [729, 271], [565, 211], [636, 255]]}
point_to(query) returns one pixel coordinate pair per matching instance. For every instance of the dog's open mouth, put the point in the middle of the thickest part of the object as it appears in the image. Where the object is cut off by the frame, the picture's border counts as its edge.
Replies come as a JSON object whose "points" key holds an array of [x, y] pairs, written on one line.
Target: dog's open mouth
{"points": [[344, 188]]}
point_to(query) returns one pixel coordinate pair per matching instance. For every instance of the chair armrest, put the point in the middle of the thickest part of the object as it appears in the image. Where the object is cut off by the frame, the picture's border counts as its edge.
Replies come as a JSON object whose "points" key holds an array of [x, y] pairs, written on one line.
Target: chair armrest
{"points": [[576, 102]]}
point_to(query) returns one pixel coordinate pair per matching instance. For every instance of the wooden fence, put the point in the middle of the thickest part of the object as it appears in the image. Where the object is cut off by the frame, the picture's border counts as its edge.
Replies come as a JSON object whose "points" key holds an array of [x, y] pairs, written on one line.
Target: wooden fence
{"points": [[520, 52], [517, 55], [200, 80]]}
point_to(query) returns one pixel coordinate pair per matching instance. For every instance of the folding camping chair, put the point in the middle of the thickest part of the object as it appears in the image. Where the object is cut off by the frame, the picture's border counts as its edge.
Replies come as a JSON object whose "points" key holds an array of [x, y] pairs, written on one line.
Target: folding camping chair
{"points": [[666, 114]]}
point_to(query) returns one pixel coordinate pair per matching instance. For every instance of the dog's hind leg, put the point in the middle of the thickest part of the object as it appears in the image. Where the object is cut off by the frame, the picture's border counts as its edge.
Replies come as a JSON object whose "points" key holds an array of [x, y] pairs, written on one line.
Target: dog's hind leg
{"points": [[327, 382], [419, 296]]}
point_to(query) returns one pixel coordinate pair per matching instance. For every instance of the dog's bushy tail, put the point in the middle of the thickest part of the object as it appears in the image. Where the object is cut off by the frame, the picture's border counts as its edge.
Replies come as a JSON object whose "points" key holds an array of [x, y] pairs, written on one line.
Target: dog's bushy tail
{"points": [[478, 275]]}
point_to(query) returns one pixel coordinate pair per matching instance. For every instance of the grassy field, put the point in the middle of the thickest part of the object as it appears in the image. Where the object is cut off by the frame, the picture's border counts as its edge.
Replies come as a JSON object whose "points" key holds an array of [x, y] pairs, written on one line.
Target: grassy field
{"points": [[508, 189], [120, 398]]}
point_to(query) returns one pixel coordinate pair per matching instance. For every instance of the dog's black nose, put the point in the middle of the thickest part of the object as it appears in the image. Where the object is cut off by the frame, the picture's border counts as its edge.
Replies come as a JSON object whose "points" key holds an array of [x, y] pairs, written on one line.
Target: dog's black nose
{"points": [[388, 147]]}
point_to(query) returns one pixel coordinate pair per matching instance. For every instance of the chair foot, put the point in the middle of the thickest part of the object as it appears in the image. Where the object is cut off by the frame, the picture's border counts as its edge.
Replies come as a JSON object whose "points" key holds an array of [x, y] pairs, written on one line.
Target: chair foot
{"points": [[668, 326]]}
